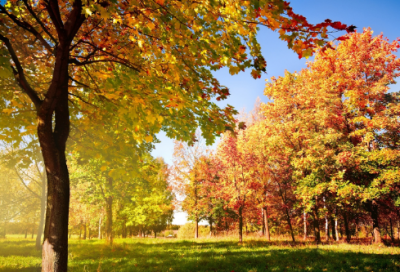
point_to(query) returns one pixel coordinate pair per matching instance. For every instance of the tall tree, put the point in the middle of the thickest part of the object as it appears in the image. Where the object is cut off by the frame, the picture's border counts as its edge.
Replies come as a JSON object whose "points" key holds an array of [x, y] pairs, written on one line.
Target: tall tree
{"points": [[75, 50]]}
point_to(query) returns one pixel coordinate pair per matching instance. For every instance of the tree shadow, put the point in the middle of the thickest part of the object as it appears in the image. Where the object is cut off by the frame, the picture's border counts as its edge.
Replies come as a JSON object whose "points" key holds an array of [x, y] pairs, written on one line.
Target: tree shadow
{"points": [[251, 256]]}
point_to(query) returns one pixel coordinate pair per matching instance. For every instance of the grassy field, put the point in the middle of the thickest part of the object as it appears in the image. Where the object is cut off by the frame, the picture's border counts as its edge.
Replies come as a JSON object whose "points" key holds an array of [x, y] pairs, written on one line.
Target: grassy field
{"points": [[254, 255]]}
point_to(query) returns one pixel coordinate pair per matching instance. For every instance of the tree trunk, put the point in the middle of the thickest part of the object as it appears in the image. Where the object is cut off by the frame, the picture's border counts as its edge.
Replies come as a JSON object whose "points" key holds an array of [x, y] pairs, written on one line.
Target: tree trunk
{"points": [[196, 228], [84, 231], [333, 229], [240, 224], [80, 230], [26, 233], [391, 229], [336, 230], [33, 231], [109, 223], [263, 223], [290, 224], [326, 229], [100, 228], [42, 214], [305, 225], [346, 227], [124, 232], [316, 226], [210, 221], [267, 235], [375, 223]]}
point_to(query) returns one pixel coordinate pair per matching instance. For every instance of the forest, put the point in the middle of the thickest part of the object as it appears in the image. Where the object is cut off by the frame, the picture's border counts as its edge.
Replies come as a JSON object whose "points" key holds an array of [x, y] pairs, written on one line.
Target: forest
{"points": [[309, 179]]}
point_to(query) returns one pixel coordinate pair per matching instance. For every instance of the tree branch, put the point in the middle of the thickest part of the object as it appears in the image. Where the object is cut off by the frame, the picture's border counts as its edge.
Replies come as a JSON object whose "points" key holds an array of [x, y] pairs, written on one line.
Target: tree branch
{"points": [[28, 28], [19, 74]]}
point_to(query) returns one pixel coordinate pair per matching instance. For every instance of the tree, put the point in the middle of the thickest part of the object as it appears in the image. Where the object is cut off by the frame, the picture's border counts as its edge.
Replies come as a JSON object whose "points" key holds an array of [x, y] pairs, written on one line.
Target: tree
{"points": [[338, 120], [56, 52]]}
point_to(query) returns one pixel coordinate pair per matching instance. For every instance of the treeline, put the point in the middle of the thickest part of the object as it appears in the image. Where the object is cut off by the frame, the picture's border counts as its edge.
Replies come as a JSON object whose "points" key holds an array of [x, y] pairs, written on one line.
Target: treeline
{"points": [[322, 157]]}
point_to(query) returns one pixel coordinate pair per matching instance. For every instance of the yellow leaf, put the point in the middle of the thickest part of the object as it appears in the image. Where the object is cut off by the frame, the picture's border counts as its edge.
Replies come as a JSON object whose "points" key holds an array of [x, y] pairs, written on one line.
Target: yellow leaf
{"points": [[103, 168], [9, 111], [148, 138]]}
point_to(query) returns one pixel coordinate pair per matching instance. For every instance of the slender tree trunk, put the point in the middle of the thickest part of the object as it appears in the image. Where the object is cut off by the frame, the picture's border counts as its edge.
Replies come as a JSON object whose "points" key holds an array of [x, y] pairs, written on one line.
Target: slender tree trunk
{"points": [[33, 231], [333, 229], [398, 230], [240, 224], [196, 228], [26, 233], [326, 229], [290, 224], [391, 229], [109, 222], [305, 225], [346, 227], [155, 234], [263, 223], [80, 230], [316, 226], [84, 230], [210, 221], [42, 214], [124, 231], [267, 235], [100, 228]]}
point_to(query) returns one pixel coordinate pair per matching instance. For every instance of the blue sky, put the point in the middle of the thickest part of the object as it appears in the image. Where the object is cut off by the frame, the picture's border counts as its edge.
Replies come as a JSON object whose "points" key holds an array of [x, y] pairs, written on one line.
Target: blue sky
{"points": [[381, 16]]}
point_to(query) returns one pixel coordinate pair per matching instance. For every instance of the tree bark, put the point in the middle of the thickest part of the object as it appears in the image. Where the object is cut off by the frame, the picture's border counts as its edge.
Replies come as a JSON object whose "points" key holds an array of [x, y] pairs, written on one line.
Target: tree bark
{"points": [[391, 229], [290, 224], [26, 233], [99, 228], [210, 221], [265, 219], [240, 224], [305, 225], [196, 228], [109, 222], [124, 232], [84, 230], [316, 225], [333, 229], [375, 223], [346, 227], [42, 214], [336, 230]]}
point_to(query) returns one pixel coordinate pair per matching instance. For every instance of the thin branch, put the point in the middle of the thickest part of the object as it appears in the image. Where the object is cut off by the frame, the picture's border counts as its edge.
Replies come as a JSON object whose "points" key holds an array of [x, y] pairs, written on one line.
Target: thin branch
{"points": [[22, 181], [19, 74], [28, 28]]}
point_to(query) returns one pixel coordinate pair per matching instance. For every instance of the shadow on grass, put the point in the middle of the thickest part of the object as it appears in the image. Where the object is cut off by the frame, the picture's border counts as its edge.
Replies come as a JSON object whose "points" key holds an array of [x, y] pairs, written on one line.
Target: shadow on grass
{"points": [[254, 256]]}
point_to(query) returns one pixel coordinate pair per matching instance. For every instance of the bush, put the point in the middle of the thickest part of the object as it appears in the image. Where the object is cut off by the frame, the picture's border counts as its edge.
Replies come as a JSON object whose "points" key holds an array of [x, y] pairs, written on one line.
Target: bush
{"points": [[187, 231]]}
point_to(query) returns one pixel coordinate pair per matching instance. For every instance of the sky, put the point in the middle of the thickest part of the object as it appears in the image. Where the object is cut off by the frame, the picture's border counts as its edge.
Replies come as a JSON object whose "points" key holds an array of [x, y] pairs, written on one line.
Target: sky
{"points": [[380, 16]]}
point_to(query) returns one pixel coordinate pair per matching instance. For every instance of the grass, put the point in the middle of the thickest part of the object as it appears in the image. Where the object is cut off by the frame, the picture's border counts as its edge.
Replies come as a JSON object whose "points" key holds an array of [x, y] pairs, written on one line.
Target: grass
{"points": [[223, 254]]}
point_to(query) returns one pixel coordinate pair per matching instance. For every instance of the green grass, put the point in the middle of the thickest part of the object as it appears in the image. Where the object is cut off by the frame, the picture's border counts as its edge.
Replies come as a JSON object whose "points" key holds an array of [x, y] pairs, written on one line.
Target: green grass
{"points": [[254, 255]]}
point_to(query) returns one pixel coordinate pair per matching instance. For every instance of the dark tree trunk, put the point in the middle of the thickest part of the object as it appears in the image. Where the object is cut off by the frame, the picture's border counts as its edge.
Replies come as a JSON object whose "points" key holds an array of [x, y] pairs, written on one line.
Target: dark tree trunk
{"points": [[263, 223], [33, 231], [305, 225], [26, 233], [391, 229], [53, 138], [265, 219], [316, 226], [196, 228], [80, 230], [240, 224], [289, 221], [333, 230], [124, 232], [109, 222], [42, 214], [375, 223], [346, 227]]}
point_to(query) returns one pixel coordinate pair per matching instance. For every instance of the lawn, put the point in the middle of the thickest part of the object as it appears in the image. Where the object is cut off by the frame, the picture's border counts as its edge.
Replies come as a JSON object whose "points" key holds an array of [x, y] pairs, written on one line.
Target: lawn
{"points": [[253, 255]]}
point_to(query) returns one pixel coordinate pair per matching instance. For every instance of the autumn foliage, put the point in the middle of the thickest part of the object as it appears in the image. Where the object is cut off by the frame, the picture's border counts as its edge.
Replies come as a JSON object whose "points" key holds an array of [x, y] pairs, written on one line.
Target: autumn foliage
{"points": [[323, 154]]}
